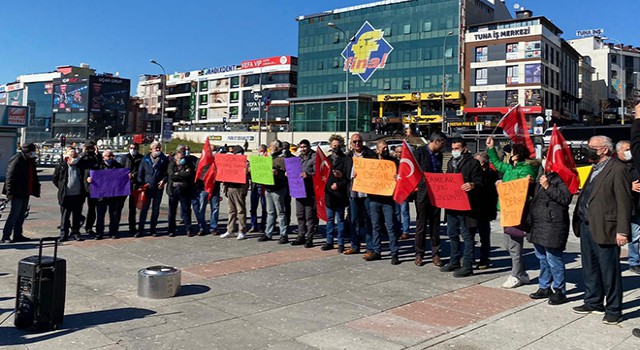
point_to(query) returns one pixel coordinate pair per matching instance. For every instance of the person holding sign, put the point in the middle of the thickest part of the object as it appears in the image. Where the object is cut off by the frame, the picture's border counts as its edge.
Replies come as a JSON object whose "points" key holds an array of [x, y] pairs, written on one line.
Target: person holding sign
{"points": [[236, 192], [458, 222], [275, 195], [306, 207], [517, 168], [67, 177], [382, 211], [111, 204]]}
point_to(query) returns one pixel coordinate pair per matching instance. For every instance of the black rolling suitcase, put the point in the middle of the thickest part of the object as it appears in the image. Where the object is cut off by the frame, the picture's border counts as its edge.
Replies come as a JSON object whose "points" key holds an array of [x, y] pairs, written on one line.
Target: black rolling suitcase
{"points": [[41, 290]]}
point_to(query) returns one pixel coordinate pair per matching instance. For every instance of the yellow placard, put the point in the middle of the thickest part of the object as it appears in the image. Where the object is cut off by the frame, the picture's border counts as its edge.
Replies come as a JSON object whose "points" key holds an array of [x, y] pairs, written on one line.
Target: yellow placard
{"points": [[374, 176], [513, 196], [583, 174]]}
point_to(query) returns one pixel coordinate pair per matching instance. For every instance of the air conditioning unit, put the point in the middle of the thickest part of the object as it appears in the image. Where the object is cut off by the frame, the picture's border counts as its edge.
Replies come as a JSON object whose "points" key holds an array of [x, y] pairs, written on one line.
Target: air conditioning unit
{"points": [[459, 113]]}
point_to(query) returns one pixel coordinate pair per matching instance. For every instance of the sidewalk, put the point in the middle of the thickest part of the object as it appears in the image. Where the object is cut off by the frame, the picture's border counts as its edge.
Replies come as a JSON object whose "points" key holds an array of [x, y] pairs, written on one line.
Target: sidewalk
{"points": [[251, 295]]}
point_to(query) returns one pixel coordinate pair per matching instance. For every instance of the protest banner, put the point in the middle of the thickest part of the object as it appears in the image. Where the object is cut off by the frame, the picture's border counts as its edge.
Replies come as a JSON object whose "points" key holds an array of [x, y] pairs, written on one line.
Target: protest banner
{"points": [[109, 183], [513, 196], [293, 165], [231, 168], [583, 174], [261, 170], [445, 191], [374, 176]]}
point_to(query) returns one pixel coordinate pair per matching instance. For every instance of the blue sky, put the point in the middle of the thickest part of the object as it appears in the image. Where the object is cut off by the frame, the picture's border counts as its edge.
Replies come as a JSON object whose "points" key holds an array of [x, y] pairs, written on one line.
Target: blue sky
{"points": [[123, 35]]}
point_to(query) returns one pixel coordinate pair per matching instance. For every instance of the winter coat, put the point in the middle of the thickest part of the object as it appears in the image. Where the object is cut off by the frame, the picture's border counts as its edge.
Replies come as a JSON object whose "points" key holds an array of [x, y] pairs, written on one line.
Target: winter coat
{"points": [[423, 158], [133, 164], [279, 178], [308, 165], [385, 199], [549, 214], [61, 177], [510, 172], [181, 179], [151, 175], [471, 172], [338, 198], [19, 171], [488, 197]]}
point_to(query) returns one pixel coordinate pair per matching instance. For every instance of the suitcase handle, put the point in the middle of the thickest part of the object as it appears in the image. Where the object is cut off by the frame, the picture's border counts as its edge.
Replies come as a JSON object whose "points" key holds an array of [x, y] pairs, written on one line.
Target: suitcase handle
{"points": [[42, 244]]}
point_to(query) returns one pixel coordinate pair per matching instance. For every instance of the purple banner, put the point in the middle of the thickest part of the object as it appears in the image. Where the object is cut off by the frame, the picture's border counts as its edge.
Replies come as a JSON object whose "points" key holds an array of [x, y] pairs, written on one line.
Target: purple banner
{"points": [[109, 183], [296, 183]]}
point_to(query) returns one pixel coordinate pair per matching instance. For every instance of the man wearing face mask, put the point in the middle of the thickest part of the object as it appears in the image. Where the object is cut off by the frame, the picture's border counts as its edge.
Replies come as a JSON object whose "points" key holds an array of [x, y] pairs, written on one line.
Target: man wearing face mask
{"points": [[602, 220], [181, 182], [67, 177], [112, 205], [195, 201], [458, 222], [153, 175], [89, 160], [132, 162], [21, 183], [306, 207], [623, 150]]}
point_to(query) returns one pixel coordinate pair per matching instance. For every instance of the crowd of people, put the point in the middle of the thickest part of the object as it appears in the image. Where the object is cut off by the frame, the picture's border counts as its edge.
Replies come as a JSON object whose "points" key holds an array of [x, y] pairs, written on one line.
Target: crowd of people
{"points": [[606, 215]]}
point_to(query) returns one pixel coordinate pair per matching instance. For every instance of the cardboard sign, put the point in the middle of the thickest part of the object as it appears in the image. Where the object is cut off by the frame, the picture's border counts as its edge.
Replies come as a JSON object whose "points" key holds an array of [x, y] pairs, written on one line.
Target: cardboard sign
{"points": [[261, 170], [583, 174], [231, 168], [109, 183], [513, 196], [445, 191], [374, 176], [293, 165]]}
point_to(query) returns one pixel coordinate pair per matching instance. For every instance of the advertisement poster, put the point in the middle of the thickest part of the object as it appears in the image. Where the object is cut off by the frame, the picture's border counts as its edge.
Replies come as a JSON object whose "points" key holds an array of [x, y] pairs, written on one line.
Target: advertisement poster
{"points": [[70, 98], [532, 73]]}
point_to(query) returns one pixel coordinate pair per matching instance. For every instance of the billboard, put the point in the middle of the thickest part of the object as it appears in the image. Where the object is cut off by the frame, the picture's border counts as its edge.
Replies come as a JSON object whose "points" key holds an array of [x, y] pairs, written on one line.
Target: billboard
{"points": [[266, 62], [533, 73], [368, 52], [109, 95], [70, 97]]}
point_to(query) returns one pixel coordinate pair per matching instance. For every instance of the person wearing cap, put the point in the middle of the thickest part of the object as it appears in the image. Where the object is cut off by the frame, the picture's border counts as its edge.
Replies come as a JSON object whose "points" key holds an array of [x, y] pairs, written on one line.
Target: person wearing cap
{"points": [[20, 184]]}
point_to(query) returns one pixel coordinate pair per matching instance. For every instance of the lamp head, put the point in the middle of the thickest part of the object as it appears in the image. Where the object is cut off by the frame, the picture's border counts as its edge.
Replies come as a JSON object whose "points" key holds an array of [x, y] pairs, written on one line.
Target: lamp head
{"points": [[331, 25], [153, 61]]}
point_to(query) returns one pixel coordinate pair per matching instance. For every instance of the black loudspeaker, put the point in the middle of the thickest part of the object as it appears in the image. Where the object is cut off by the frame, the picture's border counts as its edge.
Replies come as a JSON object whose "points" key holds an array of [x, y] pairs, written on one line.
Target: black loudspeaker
{"points": [[41, 290]]}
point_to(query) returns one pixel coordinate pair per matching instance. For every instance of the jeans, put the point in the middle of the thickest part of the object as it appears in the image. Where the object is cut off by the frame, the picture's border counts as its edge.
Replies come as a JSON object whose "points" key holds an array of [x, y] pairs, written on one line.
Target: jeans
{"points": [[551, 268], [456, 227], [275, 207], [71, 205], [114, 207], [402, 215], [484, 230], [338, 214], [258, 198], [155, 196], [176, 198], [383, 211], [201, 209], [16, 218], [514, 246], [360, 222], [634, 246]]}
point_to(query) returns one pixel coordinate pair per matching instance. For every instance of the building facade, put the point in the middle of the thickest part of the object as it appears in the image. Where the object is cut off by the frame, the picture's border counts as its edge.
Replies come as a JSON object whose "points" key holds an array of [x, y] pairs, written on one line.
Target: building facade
{"points": [[524, 62], [388, 60]]}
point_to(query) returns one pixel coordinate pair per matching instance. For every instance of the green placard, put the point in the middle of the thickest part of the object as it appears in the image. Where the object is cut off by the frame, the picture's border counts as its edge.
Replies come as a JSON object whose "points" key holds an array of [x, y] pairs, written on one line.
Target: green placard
{"points": [[261, 170]]}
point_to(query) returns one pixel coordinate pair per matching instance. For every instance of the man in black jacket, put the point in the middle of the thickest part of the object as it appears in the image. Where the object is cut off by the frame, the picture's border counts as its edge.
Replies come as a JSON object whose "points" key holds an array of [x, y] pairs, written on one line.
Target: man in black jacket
{"points": [[486, 210], [21, 183], [462, 162], [111, 205], [132, 162], [306, 207], [68, 178], [89, 160], [429, 158]]}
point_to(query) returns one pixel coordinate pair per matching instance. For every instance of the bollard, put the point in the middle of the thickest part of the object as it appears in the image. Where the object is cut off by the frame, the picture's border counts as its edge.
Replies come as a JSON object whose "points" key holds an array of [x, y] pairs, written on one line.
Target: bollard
{"points": [[158, 282]]}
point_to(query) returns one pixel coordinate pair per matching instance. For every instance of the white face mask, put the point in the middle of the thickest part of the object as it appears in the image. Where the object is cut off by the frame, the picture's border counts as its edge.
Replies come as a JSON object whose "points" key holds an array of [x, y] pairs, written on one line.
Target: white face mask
{"points": [[627, 155], [544, 163], [33, 155], [133, 152], [456, 154]]}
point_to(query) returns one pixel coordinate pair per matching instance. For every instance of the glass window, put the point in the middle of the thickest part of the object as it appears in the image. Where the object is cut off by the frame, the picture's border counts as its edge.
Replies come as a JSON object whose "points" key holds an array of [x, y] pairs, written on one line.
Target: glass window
{"points": [[204, 99], [533, 49], [406, 84], [336, 37], [406, 29], [481, 76], [482, 54], [426, 26], [426, 53], [512, 75], [336, 62], [320, 65], [204, 85], [481, 99], [532, 73], [203, 113], [512, 98], [386, 85], [387, 31], [512, 51]]}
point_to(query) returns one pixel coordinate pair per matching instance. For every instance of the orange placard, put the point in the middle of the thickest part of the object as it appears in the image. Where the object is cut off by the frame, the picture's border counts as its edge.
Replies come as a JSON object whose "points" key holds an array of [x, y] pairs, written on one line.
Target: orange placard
{"points": [[513, 196], [374, 176], [231, 168]]}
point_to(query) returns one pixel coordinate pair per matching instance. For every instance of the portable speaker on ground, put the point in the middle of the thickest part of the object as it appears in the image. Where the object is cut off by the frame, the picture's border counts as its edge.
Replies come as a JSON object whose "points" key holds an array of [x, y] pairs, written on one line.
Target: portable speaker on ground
{"points": [[41, 290]]}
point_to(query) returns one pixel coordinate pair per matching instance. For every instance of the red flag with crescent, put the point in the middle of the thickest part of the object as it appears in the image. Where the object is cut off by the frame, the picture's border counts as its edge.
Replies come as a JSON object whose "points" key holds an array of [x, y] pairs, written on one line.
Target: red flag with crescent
{"points": [[206, 158], [560, 161], [514, 124], [320, 178], [409, 175]]}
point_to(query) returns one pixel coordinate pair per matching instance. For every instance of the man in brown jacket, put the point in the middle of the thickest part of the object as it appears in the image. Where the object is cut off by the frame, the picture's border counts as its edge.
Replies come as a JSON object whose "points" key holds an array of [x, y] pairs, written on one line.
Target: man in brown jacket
{"points": [[602, 219]]}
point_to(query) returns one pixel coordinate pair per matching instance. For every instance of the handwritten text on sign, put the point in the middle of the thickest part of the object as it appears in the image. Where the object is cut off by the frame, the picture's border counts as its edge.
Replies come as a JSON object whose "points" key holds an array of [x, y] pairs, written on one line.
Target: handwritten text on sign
{"points": [[513, 195], [261, 170], [445, 191], [231, 168], [374, 176]]}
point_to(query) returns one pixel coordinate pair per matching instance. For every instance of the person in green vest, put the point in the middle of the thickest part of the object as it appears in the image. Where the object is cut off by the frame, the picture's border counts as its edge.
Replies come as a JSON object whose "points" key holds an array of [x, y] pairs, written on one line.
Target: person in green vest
{"points": [[518, 167]]}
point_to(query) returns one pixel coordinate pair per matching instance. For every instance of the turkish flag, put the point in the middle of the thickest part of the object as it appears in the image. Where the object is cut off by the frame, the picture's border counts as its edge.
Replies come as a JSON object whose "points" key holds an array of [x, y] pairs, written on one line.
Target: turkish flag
{"points": [[320, 178], [210, 180], [409, 175], [206, 158], [560, 161], [513, 123]]}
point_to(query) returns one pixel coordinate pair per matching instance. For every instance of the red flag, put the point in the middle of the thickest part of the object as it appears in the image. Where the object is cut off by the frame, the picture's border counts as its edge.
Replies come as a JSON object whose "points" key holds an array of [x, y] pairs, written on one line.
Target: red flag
{"points": [[560, 160], [409, 175], [206, 158], [320, 178], [210, 180], [515, 126]]}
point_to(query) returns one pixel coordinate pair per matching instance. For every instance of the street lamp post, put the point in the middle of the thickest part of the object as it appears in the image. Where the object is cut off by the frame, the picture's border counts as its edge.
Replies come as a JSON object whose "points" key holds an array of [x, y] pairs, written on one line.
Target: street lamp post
{"points": [[346, 79], [444, 78], [163, 81]]}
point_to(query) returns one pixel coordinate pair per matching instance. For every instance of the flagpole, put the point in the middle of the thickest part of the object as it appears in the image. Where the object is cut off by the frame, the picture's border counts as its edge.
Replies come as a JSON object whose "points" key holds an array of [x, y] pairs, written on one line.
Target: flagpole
{"points": [[506, 114]]}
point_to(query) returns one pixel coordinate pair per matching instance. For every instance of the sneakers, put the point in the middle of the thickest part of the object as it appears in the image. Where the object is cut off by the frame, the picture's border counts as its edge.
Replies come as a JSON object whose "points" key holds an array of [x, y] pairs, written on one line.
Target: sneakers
{"points": [[172, 234], [462, 273], [483, 265], [611, 319], [449, 267], [283, 240], [309, 244], [541, 293], [586, 309], [635, 269], [511, 282], [241, 236], [226, 235], [557, 298], [298, 241]]}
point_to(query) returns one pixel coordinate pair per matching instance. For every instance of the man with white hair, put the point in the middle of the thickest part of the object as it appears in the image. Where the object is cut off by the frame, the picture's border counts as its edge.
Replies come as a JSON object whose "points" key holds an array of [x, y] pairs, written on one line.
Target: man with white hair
{"points": [[153, 176], [603, 226]]}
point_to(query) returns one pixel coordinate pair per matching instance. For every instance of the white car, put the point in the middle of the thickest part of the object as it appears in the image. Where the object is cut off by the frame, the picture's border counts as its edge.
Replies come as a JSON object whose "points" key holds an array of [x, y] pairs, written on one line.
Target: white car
{"points": [[325, 146]]}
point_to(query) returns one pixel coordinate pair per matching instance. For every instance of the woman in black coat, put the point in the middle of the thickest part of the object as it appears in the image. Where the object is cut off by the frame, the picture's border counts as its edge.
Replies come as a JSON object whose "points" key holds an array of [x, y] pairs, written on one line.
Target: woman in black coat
{"points": [[549, 222]]}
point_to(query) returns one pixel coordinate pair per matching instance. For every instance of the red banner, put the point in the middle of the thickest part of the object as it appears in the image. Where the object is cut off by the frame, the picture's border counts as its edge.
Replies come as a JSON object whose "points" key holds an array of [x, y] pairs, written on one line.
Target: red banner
{"points": [[445, 191], [320, 178]]}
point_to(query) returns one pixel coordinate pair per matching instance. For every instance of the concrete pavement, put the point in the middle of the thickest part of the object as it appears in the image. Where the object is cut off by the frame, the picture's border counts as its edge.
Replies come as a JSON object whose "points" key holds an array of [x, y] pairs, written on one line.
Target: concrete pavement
{"points": [[252, 295]]}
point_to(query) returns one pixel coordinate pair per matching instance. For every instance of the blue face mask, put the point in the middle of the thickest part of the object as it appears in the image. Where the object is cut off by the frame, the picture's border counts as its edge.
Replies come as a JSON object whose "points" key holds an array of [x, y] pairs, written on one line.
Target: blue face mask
{"points": [[109, 162], [181, 161]]}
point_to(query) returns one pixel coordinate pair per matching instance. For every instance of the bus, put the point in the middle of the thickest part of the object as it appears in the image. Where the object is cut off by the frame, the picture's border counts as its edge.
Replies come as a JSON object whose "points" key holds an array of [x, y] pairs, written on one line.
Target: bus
{"points": [[582, 134]]}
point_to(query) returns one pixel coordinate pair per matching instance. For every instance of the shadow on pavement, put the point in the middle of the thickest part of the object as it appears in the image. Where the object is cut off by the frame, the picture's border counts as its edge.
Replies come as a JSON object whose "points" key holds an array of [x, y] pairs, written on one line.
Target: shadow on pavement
{"points": [[72, 323], [193, 289], [20, 246]]}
